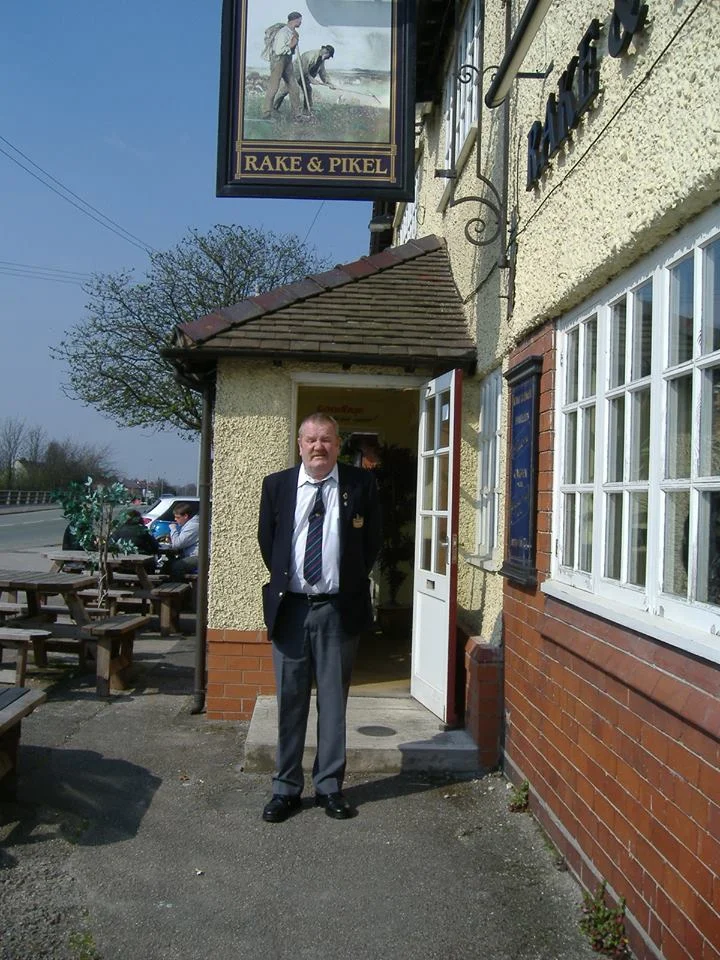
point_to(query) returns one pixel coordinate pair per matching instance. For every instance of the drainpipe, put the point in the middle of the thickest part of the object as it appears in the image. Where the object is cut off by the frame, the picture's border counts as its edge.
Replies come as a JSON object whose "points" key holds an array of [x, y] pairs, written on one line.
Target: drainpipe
{"points": [[203, 550]]}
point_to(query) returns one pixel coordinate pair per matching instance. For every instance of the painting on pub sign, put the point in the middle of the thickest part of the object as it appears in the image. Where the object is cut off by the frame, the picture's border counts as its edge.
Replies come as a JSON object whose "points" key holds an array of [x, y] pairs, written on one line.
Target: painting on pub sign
{"points": [[316, 99]]}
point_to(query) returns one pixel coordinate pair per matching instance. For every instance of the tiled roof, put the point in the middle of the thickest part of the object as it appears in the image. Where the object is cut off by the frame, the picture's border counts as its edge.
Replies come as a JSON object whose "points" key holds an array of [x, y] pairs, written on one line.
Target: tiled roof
{"points": [[399, 306]]}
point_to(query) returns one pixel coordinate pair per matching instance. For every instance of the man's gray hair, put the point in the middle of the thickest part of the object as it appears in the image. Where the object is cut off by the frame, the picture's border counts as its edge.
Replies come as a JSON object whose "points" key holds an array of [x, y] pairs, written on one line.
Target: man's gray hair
{"points": [[319, 417]]}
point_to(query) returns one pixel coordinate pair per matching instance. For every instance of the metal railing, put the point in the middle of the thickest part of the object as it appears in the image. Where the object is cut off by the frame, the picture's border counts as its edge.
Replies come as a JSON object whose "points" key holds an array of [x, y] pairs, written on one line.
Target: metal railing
{"points": [[12, 498]]}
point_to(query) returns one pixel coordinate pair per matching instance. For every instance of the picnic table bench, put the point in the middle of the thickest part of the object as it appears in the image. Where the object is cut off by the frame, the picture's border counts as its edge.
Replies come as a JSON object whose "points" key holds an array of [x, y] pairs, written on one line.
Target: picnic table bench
{"points": [[114, 654], [170, 597], [15, 703], [19, 639]]}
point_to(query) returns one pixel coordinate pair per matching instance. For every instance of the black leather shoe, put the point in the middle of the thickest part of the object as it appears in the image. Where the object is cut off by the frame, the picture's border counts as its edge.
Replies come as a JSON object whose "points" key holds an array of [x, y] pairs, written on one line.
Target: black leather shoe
{"points": [[280, 808], [335, 805]]}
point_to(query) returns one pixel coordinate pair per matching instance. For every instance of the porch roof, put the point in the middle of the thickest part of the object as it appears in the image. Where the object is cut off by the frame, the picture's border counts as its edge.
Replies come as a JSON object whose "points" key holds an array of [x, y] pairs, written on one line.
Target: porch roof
{"points": [[400, 307]]}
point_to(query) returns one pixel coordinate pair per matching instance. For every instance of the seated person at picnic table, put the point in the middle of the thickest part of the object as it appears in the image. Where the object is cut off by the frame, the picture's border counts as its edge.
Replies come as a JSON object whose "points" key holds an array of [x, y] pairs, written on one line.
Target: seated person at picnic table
{"points": [[184, 539], [131, 528]]}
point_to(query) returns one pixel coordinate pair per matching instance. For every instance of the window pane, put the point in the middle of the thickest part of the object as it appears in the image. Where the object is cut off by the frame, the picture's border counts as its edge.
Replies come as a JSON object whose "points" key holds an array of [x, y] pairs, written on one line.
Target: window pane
{"points": [[430, 425], [571, 384], [441, 547], [569, 472], [711, 298], [709, 549], [427, 494], [569, 530], [586, 532], [677, 518], [642, 331], [681, 312], [587, 463], [638, 539], [616, 440], [617, 343], [444, 440], [443, 466], [426, 548], [590, 358], [640, 445], [613, 545], [710, 424], [678, 427]]}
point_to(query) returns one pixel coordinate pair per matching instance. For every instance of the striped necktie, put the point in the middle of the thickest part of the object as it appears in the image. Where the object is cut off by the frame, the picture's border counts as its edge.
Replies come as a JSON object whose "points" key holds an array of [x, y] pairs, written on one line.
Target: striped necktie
{"points": [[312, 567]]}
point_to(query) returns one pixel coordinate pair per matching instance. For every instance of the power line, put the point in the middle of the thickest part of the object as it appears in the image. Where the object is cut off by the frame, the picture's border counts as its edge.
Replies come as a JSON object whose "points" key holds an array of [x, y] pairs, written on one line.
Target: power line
{"points": [[58, 270], [106, 221], [317, 214], [9, 272]]}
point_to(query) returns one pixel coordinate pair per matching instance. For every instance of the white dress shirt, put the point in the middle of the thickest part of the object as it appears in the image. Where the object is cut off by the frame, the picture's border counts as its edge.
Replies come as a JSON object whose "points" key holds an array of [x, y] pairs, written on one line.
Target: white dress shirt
{"points": [[329, 582]]}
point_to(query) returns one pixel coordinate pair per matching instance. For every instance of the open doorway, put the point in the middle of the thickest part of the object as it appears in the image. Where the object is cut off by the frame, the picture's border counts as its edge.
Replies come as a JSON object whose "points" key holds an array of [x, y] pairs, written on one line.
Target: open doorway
{"points": [[379, 430]]}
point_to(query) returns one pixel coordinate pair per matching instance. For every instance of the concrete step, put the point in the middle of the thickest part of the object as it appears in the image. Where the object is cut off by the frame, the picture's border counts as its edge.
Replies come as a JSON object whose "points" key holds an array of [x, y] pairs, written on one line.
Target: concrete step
{"points": [[384, 735]]}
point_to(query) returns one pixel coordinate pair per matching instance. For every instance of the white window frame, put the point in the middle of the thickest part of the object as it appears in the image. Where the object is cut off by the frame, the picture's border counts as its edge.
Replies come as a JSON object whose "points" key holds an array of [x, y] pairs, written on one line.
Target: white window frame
{"points": [[688, 616], [409, 222], [488, 476], [459, 125]]}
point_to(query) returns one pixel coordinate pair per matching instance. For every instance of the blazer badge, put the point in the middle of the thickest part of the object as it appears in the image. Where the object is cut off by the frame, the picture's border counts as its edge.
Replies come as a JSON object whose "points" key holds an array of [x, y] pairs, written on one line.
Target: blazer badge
{"points": [[358, 521]]}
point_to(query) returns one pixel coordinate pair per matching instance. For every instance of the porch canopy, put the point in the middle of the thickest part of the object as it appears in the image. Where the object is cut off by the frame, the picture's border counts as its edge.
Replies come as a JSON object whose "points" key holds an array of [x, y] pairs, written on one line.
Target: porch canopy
{"points": [[398, 308]]}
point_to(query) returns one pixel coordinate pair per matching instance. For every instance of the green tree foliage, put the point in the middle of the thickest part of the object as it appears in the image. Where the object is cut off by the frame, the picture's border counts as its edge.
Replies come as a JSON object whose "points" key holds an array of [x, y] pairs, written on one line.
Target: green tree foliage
{"points": [[113, 354]]}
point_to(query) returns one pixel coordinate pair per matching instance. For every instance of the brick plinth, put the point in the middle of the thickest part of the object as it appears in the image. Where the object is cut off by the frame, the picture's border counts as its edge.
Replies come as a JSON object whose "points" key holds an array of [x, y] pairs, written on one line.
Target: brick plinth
{"points": [[239, 671], [484, 698]]}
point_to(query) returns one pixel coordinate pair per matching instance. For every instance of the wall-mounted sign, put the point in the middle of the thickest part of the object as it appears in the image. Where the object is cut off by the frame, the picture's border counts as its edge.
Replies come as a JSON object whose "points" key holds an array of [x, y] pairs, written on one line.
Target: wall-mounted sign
{"points": [[316, 99], [579, 85], [524, 383]]}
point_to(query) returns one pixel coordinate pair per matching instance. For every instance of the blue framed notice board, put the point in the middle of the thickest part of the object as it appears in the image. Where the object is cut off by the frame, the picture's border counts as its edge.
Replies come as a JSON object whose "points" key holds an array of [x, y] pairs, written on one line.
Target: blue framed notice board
{"points": [[524, 383]]}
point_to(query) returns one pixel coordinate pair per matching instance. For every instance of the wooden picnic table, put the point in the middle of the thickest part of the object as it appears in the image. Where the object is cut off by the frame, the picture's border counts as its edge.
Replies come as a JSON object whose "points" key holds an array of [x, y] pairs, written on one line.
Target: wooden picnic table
{"points": [[39, 584], [124, 562]]}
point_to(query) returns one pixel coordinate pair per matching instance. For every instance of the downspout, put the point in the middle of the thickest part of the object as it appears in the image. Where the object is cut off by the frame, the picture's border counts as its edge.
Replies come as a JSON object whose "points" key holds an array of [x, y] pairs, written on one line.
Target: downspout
{"points": [[203, 550]]}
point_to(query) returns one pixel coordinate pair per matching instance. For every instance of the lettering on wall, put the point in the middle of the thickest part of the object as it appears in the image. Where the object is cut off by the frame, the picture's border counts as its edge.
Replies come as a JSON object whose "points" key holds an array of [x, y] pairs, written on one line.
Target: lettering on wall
{"points": [[578, 86]]}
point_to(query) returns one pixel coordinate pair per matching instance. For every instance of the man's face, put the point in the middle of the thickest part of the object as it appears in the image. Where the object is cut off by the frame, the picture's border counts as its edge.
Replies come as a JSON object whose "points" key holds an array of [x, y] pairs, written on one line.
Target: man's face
{"points": [[181, 519], [295, 23], [319, 447]]}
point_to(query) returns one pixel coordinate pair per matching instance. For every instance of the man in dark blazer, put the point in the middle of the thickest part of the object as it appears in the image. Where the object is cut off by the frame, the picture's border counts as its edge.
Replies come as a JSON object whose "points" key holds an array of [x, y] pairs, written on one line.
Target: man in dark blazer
{"points": [[319, 533]]}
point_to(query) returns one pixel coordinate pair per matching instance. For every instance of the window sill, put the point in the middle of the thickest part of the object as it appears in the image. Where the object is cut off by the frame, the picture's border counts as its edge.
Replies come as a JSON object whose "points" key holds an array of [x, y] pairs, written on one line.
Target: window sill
{"points": [[689, 639], [484, 561]]}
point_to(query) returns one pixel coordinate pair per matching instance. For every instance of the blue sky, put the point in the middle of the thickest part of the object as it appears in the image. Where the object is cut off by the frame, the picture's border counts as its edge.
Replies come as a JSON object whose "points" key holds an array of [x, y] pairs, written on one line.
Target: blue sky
{"points": [[118, 102]]}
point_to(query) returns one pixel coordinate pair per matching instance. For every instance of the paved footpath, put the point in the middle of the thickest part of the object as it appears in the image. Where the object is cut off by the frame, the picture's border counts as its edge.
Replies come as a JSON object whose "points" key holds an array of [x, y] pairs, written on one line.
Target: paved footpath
{"points": [[137, 835]]}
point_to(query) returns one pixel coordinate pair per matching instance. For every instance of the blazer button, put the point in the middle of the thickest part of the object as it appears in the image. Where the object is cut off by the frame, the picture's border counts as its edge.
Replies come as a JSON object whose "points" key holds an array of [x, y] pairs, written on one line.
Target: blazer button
{"points": [[280, 593]]}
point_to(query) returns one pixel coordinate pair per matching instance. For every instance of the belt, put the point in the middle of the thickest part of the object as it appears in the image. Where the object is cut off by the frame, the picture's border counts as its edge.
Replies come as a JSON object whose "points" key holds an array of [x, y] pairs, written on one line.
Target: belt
{"points": [[312, 598]]}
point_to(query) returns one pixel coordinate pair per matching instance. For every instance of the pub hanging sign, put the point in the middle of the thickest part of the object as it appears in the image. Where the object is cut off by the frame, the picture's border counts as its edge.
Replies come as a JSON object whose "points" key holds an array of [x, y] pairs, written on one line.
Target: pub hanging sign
{"points": [[316, 99]]}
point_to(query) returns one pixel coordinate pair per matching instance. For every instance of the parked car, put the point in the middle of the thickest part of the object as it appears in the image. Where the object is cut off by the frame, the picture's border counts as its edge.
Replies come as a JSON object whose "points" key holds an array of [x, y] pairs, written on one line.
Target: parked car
{"points": [[159, 515]]}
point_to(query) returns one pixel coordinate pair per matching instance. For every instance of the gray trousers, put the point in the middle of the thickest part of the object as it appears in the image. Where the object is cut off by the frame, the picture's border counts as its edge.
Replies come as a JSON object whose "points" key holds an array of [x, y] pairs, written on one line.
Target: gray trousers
{"points": [[309, 643]]}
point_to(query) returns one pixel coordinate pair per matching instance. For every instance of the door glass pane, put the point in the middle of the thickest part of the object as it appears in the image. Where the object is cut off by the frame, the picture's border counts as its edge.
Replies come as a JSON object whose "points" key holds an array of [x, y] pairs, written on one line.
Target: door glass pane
{"points": [[586, 532], [642, 331], [710, 423], [569, 472], [571, 385], [679, 425], [429, 438], [569, 530], [590, 357], [613, 543], [587, 462], [637, 560], [640, 445], [443, 468], [709, 549], [427, 490], [711, 298], [441, 547], [617, 343], [675, 561], [681, 312], [616, 440], [444, 408], [426, 543]]}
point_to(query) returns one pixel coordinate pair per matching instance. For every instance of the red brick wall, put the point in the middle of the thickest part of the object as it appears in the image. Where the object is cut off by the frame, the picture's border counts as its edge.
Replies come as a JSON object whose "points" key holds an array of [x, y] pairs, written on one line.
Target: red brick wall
{"points": [[619, 738], [239, 664], [484, 699]]}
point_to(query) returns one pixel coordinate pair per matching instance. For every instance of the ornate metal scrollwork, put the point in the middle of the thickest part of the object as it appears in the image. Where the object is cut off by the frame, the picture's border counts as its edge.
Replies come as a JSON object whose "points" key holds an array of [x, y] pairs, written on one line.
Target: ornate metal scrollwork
{"points": [[476, 227], [467, 72]]}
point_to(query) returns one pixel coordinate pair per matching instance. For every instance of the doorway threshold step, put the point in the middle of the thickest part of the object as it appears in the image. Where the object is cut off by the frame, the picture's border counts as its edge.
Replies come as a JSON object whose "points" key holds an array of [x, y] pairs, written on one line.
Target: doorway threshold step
{"points": [[384, 735]]}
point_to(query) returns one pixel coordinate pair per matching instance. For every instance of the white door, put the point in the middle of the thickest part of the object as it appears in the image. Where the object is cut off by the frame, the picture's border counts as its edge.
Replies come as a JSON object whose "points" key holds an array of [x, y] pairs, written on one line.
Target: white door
{"points": [[435, 585]]}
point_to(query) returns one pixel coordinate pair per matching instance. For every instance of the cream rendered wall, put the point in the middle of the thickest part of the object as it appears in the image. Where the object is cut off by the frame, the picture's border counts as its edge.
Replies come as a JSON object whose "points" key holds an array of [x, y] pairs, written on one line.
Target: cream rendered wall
{"points": [[483, 285], [642, 163], [254, 434]]}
